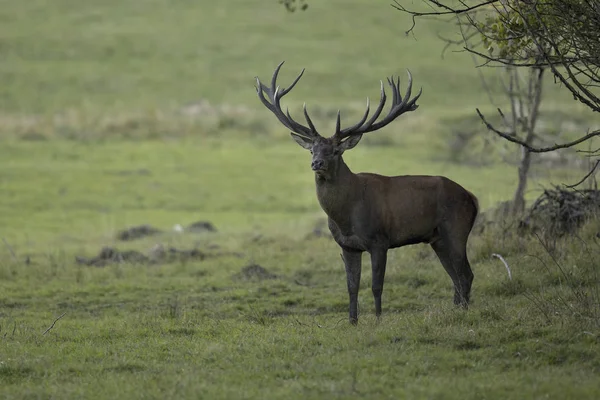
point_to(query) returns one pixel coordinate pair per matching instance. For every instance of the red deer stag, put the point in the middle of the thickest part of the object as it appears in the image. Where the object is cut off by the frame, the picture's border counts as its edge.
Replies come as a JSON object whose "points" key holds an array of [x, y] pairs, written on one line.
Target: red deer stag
{"points": [[374, 213]]}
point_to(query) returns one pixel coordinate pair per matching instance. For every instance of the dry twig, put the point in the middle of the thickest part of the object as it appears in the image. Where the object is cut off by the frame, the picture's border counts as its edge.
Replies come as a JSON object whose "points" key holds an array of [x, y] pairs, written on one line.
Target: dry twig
{"points": [[52, 326], [561, 211], [499, 257]]}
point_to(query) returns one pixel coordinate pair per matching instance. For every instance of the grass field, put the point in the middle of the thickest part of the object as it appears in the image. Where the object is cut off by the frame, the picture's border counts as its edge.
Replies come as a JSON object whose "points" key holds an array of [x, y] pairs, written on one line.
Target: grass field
{"points": [[121, 113]]}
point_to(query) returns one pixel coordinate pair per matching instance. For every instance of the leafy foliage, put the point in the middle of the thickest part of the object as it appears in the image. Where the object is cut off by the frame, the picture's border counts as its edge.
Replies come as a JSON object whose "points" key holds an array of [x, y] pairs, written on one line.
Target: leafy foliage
{"points": [[561, 35], [546, 31]]}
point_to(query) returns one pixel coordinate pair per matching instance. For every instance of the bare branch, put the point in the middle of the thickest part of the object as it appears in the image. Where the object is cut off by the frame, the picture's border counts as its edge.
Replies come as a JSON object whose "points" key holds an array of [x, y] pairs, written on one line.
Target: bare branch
{"points": [[560, 35], [585, 177], [532, 149], [447, 10], [590, 153]]}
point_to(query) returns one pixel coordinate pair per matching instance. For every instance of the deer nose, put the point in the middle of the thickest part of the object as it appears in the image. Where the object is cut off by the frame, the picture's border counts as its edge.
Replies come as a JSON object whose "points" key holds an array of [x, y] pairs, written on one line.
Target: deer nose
{"points": [[316, 165]]}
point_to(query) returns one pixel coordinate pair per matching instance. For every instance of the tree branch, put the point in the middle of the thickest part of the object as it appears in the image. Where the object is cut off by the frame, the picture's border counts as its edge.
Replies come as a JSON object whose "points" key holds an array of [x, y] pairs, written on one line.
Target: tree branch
{"points": [[532, 149], [585, 177], [448, 10]]}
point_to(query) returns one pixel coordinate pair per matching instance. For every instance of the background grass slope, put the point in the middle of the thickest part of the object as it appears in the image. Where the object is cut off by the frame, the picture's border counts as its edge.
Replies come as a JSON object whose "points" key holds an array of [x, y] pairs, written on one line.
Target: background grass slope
{"points": [[127, 55]]}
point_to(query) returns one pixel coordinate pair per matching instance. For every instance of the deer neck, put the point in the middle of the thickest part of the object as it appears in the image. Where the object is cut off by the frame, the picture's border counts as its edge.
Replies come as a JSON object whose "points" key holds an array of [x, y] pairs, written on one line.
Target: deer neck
{"points": [[337, 193]]}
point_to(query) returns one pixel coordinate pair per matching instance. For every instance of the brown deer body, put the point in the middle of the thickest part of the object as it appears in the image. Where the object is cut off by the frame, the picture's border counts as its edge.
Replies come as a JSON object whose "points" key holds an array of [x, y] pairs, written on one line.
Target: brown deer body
{"points": [[374, 213]]}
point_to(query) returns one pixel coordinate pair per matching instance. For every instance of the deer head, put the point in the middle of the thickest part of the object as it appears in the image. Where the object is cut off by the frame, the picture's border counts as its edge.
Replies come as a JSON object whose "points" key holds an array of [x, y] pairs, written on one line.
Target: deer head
{"points": [[327, 152]]}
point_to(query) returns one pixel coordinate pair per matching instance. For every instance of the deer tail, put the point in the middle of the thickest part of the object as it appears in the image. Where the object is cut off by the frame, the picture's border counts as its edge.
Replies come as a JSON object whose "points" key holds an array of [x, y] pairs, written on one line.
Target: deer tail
{"points": [[475, 203]]}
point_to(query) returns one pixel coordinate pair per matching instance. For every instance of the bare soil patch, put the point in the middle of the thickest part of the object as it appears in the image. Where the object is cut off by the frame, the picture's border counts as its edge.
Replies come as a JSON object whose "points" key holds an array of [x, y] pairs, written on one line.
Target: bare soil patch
{"points": [[254, 272], [158, 254], [137, 232]]}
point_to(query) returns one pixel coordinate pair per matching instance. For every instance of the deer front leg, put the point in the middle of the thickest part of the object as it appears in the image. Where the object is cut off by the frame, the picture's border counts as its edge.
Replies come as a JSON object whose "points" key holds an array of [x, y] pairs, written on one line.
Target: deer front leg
{"points": [[352, 262], [378, 263]]}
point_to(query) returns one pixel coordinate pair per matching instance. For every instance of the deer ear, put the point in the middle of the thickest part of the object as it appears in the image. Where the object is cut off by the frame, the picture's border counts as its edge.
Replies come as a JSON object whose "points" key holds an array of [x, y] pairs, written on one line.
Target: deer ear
{"points": [[350, 142], [302, 141]]}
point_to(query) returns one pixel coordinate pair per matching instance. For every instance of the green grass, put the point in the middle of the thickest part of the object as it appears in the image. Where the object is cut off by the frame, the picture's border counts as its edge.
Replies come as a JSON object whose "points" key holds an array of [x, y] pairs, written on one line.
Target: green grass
{"points": [[193, 329], [132, 55], [120, 113]]}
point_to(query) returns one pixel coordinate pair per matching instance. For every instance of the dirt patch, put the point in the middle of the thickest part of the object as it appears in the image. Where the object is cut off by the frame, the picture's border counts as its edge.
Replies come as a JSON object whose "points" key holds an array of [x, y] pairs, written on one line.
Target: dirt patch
{"points": [[254, 272], [160, 253], [137, 232], [110, 255], [184, 255], [201, 226], [157, 254]]}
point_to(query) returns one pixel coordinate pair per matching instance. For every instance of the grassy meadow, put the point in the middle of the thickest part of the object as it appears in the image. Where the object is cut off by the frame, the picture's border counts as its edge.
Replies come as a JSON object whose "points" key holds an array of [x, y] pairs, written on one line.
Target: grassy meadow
{"points": [[121, 113]]}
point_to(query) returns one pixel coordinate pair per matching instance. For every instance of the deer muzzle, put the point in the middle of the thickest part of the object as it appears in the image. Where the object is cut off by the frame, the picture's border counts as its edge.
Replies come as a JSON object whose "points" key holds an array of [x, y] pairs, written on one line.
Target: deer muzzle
{"points": [[317, 165]]}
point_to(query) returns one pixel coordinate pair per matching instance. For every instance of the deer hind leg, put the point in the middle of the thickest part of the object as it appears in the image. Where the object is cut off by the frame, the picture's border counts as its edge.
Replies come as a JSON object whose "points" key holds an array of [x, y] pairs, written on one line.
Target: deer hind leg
{"points": [[453, 257], [378, 263], [352, 262]]}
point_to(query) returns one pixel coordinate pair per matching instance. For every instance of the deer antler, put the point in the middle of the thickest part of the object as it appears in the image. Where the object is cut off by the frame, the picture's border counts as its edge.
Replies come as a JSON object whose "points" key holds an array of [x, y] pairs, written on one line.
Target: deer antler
{"points": [[274, 94], [399, 106]]}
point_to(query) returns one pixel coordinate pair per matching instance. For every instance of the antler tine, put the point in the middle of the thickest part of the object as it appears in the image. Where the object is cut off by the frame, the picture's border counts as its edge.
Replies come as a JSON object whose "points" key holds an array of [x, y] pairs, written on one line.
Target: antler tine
{"points": [[298, 128], [379, 109], [351, 130], [285, 91], [275, 75], [308, 120], [396, 98], [340, 134], [399, 106], [262, 88], [273, 103], [412, 104], [408, 88]]}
